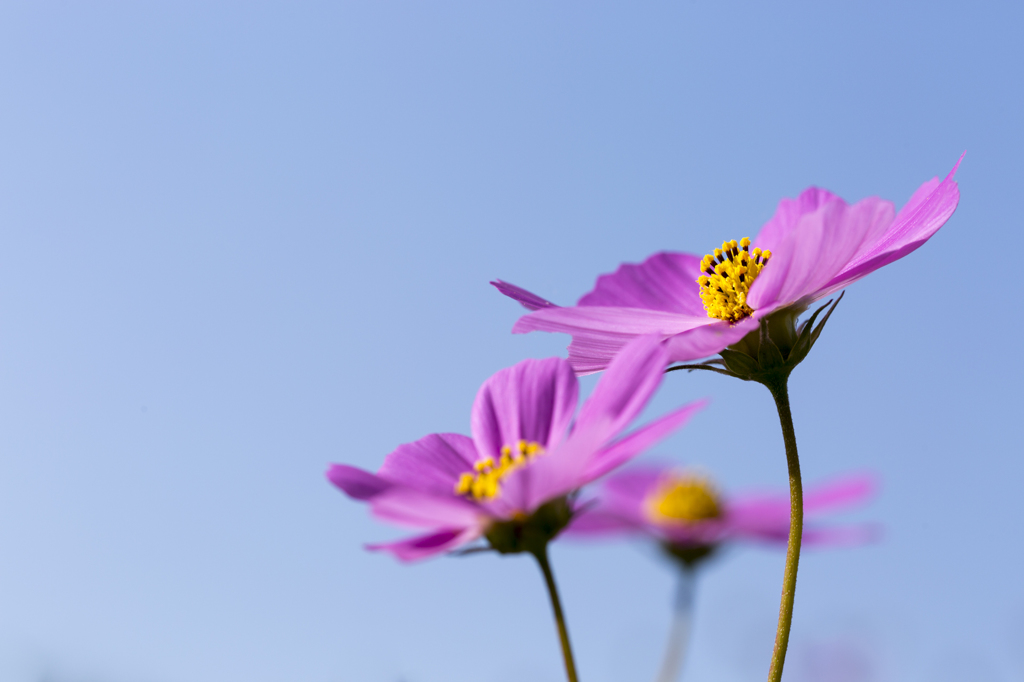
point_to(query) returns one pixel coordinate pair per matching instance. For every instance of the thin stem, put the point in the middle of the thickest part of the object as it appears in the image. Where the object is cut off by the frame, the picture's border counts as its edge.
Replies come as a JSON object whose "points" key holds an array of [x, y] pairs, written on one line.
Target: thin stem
{"points": [[682, 623], [780, 392], [704, 367], [556, 607]]}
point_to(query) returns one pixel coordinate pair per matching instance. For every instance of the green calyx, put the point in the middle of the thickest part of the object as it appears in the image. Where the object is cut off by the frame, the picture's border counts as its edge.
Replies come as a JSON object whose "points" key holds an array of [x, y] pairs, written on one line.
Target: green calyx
{"points": [[768, 354], [688, 555], [531, 533]]}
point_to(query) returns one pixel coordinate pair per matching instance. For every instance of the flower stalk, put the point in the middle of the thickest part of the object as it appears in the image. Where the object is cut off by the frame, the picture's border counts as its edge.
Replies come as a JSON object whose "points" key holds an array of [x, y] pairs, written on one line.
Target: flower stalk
{"points": [[541, 555], [768, 356], [780, 392], [682, 623]]}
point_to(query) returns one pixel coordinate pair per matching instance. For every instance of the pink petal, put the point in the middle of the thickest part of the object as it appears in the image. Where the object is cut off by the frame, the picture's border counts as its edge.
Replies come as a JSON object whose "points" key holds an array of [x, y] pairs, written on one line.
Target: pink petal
{"points": [[625, 388], [636, 483], [818, 247], [595, 522], [617, 399], [760, 508], [557, 473], [665, 281], [432, 464], [843, 492], [710, 339], [776, 231], [766, 519], [599, 333], [532, 401], [842, 536], [356, 483], [813, 536], [768, 515], [619, 506], [928, 210], [528, 300], [641, 439], [708, 532], [431, 544], [418, 509], [590, 352]]}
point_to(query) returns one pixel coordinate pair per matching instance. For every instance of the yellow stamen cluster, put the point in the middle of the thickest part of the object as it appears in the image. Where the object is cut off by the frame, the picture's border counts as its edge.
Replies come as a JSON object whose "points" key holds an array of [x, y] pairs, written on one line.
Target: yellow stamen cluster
{"points": [[728, 274], [682, 499], [485, 484]]}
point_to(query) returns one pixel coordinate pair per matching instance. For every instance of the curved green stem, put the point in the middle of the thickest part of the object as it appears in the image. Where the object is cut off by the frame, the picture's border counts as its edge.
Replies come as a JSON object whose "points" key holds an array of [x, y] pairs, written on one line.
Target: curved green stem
{"points": [[780, 392], [556, 607]]}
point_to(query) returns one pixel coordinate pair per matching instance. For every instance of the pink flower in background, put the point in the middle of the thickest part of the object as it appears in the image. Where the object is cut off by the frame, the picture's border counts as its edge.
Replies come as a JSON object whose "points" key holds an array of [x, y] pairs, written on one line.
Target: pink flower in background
{"points": [[813, 246], [525, 452], [683, 510]]}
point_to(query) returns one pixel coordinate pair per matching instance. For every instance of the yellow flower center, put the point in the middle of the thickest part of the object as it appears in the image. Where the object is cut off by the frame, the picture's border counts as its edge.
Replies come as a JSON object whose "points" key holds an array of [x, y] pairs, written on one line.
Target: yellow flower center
{"points": [[728, 274], [683, 499], [485, 483]]}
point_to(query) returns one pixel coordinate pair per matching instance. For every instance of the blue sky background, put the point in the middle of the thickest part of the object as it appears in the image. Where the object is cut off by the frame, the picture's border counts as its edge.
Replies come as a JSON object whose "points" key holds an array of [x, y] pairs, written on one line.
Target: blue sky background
{"points": [[241, 241]]}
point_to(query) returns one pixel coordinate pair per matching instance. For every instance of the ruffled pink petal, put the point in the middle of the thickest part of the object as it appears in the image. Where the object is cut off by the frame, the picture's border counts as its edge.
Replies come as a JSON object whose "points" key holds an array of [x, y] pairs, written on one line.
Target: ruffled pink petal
{"points": [[432, 464], [533, 400], [356, 483], [816, 249], [788, 215], [630, 446], [415, 508], [591, 352], [426, 546], [665, 281], [527, 299], [928, 210], [915, 200], [710, 339], [599, 333]]}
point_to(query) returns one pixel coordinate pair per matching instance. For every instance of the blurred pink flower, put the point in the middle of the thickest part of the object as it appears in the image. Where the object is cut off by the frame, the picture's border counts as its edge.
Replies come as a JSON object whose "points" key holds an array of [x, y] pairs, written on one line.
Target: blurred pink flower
{"points": [[687, 514], [525, 459], [817, 244]]}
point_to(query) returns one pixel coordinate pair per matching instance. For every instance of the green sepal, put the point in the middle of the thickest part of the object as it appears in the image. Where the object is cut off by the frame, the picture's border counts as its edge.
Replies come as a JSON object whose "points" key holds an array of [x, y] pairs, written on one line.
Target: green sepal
{"points": [[817, 332], [804, 342], [768, 354], [769, 357], [531, 533], [740, 364], [688, 555]]}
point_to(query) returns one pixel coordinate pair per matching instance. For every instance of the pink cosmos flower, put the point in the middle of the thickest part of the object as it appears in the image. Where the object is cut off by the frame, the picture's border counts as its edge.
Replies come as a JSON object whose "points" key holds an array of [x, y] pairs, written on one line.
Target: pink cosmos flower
{"points": [[813, 246], [685, 512], [514, 480]]}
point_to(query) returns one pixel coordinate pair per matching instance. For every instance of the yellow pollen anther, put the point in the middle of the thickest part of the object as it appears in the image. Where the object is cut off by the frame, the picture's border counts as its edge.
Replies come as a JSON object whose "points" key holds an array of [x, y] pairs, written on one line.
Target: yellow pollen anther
{"points": [[728, 274], [485, 484], [682, 499]]}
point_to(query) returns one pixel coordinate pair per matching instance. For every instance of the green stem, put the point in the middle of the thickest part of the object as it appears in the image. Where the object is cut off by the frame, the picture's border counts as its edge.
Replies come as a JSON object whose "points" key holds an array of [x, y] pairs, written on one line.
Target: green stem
{"points": [[682, 623], [780, 392], [556, 606]]}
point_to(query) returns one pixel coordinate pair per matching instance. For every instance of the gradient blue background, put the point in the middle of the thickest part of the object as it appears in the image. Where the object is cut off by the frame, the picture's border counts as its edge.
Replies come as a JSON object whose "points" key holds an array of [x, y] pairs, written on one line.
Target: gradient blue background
{"points": [[241, 241]]}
